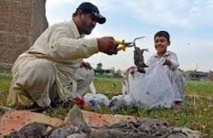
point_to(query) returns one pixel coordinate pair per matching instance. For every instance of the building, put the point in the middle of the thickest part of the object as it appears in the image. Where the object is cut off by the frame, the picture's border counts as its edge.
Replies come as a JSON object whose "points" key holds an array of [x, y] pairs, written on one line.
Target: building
{"points": [[104, 72], [195, 75]]}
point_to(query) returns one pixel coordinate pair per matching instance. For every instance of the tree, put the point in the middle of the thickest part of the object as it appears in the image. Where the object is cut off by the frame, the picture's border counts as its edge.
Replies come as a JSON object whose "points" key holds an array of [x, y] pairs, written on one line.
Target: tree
{"points": [[99, 68]]}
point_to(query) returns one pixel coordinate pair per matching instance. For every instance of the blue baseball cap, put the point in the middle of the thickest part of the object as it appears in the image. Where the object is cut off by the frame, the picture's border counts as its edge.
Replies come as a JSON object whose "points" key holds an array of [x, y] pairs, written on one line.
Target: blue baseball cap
{"points": [[88, 7]]}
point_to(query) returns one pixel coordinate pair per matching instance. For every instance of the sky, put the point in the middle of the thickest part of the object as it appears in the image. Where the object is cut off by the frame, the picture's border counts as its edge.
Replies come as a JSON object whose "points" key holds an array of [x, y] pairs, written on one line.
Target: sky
{"points": [[189, 23]]}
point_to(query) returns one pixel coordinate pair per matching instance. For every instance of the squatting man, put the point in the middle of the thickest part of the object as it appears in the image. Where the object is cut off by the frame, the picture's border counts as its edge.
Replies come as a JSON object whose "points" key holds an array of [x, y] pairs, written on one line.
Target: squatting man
{"points": [[53, 69]]}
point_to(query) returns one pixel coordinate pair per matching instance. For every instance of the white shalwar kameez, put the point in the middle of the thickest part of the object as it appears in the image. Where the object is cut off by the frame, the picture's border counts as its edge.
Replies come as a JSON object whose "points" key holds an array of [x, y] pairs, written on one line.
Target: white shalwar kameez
{"points": [[51, 67], [174, 74]]}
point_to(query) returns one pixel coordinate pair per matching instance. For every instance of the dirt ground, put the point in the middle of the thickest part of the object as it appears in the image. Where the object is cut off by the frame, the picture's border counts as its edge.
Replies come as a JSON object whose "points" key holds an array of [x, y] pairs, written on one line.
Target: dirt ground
{"points": [[85, 124]]}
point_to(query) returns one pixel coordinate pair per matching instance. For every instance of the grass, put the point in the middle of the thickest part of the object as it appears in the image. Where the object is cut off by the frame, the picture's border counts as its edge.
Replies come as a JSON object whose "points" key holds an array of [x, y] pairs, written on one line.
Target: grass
{"points": [[201, 88], [5, 79], [108, 86], [196, 114]]}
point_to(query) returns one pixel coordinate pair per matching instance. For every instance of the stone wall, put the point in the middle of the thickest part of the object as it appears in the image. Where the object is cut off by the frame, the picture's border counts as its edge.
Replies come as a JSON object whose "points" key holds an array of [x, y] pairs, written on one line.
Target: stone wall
{"points": [[21, 22]]}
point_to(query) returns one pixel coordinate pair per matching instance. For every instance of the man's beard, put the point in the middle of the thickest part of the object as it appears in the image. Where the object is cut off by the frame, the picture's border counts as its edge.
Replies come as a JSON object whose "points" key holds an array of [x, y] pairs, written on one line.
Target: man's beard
{"points": [[86, 29]]}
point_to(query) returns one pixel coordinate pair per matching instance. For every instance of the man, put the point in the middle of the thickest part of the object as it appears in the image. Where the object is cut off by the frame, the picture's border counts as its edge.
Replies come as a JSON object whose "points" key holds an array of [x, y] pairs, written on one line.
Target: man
{"points": [[53, 68]]}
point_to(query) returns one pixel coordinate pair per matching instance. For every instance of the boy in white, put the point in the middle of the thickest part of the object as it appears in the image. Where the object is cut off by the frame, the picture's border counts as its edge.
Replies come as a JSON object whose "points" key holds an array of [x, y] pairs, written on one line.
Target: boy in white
{"points": [[146, 88], [170, 62]]}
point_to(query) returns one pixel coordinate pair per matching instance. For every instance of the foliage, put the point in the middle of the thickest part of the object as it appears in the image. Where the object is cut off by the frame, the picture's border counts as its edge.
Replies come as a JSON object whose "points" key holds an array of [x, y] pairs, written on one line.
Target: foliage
{"points": [[99, 68]]}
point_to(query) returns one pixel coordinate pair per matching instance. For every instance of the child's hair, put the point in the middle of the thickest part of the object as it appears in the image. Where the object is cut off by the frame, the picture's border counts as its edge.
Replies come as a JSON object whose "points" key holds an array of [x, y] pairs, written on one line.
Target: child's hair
{"points": [[164, 34]]}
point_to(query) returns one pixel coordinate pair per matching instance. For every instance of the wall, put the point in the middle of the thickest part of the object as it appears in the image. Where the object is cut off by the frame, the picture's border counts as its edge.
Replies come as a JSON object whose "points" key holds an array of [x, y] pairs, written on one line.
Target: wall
{"points": [[21, 22]]}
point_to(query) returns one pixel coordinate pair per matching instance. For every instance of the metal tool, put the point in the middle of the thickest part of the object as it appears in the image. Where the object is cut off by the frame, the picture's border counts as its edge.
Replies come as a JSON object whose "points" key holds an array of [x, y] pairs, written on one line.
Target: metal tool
{"points": [[122, 45]]}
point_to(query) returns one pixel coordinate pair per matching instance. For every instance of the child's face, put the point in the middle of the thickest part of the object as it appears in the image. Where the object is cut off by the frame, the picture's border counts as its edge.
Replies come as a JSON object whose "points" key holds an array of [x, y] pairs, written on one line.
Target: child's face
{"points": [[161, 44]]}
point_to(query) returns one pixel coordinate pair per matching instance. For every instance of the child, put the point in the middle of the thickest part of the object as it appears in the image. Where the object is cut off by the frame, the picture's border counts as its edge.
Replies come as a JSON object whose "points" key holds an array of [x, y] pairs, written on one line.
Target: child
{"points": [[150, 87], [170, 62]]}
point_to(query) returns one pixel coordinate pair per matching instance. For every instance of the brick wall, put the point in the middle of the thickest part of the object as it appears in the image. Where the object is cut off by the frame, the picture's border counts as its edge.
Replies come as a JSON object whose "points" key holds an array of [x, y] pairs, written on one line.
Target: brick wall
{"points": [[21, 22]]}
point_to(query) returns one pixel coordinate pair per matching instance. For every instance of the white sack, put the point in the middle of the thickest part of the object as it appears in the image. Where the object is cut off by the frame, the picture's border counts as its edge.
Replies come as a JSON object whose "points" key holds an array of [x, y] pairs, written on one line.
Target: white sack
{"points": [[152, 89], [100, 99]]}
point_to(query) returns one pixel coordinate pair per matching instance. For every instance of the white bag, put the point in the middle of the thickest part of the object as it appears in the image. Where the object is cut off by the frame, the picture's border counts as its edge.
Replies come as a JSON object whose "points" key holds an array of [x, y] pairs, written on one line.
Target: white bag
{"points": [[121, 101], [152, 89], [100, 99]]}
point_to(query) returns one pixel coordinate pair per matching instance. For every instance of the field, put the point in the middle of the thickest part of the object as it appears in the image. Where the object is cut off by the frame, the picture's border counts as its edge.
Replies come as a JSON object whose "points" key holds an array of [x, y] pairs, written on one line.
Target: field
{"points": [[197, 112]]}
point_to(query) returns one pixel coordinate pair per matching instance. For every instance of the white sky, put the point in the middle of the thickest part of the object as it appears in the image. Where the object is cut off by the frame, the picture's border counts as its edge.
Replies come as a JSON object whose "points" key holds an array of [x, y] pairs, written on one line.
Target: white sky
{"points": [[189, 22]]}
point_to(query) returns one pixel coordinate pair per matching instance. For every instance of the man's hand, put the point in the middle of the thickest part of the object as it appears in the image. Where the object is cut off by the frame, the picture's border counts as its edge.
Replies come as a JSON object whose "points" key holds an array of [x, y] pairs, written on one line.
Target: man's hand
{"points": [[107, 45], [86, 65]]}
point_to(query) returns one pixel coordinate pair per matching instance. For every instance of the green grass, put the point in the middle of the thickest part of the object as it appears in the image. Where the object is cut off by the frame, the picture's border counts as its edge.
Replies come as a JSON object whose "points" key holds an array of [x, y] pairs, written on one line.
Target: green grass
{"points": [[5, 79], [108, 86], [202, 88], [197, 113]]}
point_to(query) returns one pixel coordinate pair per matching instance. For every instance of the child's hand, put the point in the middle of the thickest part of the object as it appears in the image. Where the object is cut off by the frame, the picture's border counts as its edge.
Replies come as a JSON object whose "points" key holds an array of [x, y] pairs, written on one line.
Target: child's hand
{"points": [[132, 69], [161, 61]]}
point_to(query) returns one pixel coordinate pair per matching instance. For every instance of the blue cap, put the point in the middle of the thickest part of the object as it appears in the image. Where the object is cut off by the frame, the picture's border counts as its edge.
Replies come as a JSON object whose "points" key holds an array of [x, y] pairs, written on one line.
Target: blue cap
{"points": [[88, 7]]}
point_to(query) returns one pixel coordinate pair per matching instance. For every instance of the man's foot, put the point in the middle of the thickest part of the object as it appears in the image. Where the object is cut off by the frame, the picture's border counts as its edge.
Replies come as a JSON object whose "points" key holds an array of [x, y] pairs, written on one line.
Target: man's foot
{"points": [[35, 108], [177, 105]]}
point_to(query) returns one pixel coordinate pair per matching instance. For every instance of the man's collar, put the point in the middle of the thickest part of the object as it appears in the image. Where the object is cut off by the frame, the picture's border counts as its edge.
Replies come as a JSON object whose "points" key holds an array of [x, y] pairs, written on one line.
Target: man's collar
{"points": [[75, 29]]}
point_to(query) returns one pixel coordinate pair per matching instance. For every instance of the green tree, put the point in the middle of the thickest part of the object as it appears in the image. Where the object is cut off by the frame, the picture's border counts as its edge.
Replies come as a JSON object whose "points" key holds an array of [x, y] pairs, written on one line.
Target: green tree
{"points": [[99, 68]]}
